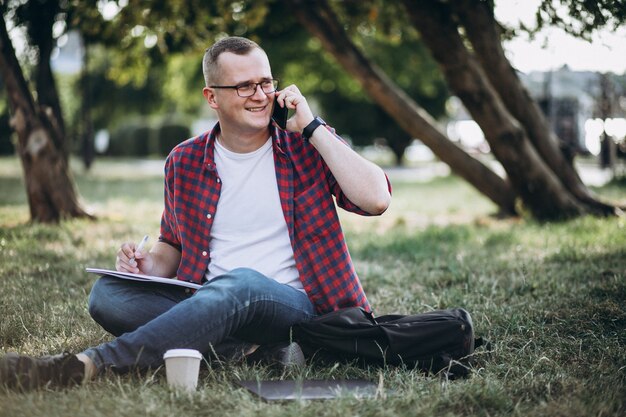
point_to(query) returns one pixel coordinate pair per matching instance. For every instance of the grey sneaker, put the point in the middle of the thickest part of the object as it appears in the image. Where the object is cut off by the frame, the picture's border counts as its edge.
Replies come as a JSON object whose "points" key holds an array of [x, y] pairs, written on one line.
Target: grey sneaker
{"points": [[25, 373], [285, 355]]}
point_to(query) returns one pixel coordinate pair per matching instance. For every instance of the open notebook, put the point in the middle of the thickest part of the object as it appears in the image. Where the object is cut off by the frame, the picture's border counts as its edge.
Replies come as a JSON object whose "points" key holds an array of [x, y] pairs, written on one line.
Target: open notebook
{"points": [[143, 278]]}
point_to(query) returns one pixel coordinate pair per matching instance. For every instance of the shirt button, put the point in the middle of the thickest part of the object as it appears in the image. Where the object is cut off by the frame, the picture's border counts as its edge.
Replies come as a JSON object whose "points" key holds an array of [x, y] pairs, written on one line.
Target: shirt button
{"points": [[218, 180], [208, 216], [204, 253]]}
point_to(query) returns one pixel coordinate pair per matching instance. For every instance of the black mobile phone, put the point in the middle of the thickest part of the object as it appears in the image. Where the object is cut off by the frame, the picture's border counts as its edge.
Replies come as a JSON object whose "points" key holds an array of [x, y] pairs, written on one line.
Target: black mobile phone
{"points": [[279, 115]]}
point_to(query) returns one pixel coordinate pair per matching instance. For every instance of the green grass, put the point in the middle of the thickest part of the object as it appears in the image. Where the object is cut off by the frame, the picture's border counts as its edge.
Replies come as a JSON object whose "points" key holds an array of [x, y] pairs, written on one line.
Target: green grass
{"points": [[552, 298]]}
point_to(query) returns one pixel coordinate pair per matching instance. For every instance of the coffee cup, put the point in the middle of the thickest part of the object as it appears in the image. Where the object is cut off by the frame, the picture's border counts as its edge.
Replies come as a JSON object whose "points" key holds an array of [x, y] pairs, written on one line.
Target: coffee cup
{"points": [[182, 367]]}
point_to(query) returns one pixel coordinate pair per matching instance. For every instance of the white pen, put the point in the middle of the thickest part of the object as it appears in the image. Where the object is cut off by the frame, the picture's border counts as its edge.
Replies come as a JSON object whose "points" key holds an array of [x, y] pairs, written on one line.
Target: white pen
{"points": [[140, 246]]}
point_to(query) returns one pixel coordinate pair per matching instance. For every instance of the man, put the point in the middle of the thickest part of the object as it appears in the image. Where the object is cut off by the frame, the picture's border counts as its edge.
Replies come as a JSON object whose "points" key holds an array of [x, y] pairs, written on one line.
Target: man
{"points": [[249, 213]]}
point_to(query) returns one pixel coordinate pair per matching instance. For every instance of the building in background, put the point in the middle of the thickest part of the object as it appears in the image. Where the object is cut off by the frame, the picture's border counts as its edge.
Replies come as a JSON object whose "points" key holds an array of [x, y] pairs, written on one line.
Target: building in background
{"points": [[585, 109]]}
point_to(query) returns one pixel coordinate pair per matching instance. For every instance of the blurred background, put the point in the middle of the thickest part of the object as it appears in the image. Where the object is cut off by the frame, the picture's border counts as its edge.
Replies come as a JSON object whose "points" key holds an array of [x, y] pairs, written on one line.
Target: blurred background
{"points": [[123, 78]]}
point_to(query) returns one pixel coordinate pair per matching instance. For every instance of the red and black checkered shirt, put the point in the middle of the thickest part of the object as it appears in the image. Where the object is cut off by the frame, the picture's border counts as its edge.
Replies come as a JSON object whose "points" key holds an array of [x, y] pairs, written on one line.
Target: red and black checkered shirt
{"points": [[305, 186]]}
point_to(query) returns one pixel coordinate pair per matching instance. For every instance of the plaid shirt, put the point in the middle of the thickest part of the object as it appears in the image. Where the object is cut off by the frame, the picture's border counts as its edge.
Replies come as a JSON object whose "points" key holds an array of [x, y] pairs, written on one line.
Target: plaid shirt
{"points": [[305, 186]]}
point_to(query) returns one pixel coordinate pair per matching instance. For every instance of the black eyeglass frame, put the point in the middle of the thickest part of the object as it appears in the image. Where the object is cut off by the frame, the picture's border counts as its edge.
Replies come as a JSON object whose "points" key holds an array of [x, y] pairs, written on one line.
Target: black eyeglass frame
{"points": [[256, 85]]}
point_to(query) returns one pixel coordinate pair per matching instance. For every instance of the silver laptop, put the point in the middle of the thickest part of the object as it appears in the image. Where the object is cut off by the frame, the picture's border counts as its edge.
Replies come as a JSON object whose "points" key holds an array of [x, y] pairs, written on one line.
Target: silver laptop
{"points": [[310, 389]]}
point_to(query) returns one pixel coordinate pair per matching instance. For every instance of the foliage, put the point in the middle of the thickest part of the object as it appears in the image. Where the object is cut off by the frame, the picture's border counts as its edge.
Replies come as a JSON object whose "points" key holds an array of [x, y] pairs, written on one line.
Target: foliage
{"points": [[550, 296], [384, 34], [140, 137], [298, 58], [407, 62], [144, 34], [183, 82], [135, 53], [170, 134], [118, 98], [581, 18], [147, 59]]}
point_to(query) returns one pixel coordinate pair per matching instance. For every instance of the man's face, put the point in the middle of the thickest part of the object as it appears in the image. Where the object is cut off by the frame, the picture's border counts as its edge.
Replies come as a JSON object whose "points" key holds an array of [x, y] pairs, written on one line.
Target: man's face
{"points": [[246, 114]]}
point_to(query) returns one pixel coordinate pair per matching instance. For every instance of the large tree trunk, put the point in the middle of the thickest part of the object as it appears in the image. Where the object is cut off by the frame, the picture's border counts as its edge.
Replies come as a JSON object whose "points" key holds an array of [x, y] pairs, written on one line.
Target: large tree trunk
{"points": [[539, 188], [42, 17], [319, 19], [86, 132], [49, 187], [483, 31]]}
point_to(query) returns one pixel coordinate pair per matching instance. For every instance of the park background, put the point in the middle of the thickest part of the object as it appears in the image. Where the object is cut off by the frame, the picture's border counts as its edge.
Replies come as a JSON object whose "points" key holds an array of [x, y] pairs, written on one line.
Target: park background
{"points": [[550, 294]]}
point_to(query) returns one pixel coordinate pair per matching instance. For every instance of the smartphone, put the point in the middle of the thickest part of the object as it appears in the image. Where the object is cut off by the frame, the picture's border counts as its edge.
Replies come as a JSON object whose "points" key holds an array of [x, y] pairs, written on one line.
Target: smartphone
{"points": [[279, 115]]}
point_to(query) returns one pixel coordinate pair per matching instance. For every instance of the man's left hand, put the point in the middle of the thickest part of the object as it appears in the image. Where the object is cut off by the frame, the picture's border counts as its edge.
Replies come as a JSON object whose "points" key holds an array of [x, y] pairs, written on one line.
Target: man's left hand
{"points": [[291, 97]]}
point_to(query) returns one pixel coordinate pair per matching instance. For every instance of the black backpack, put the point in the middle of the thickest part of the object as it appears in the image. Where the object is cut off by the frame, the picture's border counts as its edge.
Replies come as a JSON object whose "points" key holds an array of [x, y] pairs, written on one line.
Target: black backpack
{"points": [[435, 341]]}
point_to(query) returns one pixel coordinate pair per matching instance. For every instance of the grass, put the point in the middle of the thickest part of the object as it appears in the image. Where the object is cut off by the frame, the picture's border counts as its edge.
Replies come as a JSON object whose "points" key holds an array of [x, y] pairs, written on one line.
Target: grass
{"points": [[552, 298]]}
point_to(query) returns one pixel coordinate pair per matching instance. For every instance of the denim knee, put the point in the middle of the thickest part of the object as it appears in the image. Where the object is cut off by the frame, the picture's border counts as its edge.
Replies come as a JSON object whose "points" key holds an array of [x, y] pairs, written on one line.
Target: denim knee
{"points": [[248, 277], [243, 281], [241, 286], [110, 307], [97, 297], [99, 304]]}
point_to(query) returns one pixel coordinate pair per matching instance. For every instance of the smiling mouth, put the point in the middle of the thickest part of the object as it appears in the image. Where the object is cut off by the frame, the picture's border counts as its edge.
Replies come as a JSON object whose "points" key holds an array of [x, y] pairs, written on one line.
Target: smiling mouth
{"points": [[256, 109]]}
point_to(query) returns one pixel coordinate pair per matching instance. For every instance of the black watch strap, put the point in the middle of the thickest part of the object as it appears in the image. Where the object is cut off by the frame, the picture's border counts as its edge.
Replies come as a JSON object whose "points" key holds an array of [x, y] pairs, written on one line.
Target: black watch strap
{"points": [[310, 128]]}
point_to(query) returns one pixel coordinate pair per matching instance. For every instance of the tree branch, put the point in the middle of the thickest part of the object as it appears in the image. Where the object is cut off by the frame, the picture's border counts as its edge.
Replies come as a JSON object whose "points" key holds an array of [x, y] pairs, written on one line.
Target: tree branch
{"points": [[536, 184], [482, 31], [319, 19]]}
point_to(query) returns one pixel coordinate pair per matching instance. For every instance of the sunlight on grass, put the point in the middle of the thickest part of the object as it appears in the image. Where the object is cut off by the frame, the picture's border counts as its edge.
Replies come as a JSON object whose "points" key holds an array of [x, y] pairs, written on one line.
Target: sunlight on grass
{"points": [[551, 296]]}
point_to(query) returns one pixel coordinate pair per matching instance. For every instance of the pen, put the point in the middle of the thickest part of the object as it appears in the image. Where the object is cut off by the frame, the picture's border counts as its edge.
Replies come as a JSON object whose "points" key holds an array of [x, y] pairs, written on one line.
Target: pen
{"points": [[140, 246]]}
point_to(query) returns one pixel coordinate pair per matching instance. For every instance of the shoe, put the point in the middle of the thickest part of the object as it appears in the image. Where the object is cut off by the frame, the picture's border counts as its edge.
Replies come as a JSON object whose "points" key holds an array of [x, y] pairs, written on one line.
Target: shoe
{"points": [[285, 355], [25, 373]]}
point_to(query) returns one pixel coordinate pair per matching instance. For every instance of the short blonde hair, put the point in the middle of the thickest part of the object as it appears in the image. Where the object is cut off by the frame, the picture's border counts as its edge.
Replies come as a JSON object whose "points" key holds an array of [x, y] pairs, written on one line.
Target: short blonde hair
{"points": [[235, 44]]}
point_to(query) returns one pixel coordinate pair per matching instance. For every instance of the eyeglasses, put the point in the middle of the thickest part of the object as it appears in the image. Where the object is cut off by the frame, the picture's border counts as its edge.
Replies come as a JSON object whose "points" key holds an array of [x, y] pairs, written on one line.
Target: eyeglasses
{"points": [[249, 89]]}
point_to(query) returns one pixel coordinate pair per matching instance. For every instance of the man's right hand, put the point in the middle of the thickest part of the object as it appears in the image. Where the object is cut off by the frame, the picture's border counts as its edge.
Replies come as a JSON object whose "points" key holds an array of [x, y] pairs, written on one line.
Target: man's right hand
{"points": [[129, 259], [161, 261]]}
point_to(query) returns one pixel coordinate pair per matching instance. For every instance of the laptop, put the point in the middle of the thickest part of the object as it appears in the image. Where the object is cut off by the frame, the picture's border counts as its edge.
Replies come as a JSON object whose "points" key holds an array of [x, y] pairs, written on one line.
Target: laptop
{"points": [[310, 389]]}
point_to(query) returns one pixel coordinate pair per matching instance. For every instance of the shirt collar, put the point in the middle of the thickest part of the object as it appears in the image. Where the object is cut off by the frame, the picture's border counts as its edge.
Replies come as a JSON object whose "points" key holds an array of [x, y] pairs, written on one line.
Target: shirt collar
{"points": [[278, 139], [209, 151]]}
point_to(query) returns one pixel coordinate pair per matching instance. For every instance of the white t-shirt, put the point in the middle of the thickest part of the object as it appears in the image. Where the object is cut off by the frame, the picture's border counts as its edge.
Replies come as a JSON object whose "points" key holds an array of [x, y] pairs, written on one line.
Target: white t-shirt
{"points": [[249, 228]]}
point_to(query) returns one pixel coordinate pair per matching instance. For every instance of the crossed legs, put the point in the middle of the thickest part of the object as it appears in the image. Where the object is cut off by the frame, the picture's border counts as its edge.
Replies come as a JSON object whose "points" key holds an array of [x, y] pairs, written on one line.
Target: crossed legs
{"points": [[148, 319]]}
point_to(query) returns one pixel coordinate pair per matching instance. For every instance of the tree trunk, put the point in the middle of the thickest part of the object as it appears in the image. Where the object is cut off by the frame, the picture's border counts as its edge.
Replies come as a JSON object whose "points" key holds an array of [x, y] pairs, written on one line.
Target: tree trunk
{"points": [[540, 190], [49, 186], [319, 19], [40, 31], [86, 132], [608, 148], [483, 32], [398, 147]]}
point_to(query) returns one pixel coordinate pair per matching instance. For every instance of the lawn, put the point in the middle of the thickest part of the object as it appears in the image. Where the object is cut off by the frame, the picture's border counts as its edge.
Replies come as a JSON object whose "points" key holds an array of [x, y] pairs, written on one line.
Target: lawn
{"points": [[551, 297]]}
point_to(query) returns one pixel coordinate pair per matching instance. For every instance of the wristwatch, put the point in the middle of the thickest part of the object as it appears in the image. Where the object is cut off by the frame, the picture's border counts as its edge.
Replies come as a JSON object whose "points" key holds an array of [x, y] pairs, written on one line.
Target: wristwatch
{"points": [[307, 132]]}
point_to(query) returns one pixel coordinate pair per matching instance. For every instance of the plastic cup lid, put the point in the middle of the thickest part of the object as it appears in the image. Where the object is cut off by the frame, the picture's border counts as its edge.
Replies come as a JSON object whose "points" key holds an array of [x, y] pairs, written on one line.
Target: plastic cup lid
{"points": [[182, 353]]}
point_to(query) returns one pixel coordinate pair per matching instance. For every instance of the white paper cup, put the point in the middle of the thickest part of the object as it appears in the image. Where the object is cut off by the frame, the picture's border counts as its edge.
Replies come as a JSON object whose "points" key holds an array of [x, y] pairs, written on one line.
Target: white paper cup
{"points": [[182, 367]]}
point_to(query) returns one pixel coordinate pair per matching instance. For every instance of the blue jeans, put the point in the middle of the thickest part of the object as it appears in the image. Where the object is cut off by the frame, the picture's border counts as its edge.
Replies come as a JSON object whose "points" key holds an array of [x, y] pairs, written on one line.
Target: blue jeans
{"points": [[151, 318]]}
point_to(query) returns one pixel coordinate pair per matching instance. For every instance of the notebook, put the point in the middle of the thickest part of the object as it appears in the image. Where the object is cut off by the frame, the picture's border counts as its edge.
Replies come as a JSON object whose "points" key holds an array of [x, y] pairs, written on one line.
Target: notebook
{"points": [[310, 389]]}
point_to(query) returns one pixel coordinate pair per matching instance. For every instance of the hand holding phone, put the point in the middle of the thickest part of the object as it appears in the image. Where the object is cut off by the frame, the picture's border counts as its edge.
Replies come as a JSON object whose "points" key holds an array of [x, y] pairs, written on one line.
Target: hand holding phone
{"points": [[279, 115]]}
